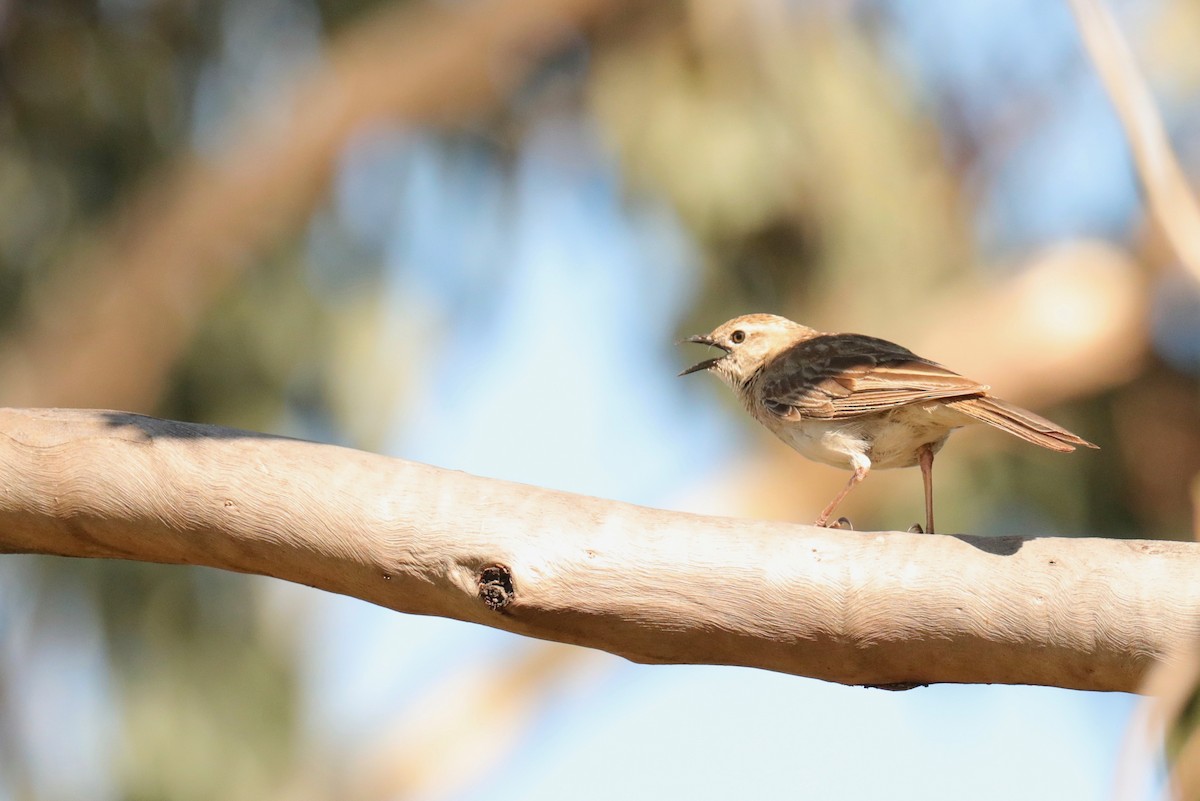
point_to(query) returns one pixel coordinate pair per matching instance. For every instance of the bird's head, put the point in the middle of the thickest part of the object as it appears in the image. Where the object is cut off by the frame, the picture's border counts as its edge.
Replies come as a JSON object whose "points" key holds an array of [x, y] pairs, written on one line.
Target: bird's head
{"points": [[748, 342]]}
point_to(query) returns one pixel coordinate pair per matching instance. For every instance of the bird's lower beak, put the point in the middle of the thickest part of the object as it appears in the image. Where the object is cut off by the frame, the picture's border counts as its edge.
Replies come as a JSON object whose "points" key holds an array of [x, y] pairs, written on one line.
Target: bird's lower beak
{"points": [[704, 339]]}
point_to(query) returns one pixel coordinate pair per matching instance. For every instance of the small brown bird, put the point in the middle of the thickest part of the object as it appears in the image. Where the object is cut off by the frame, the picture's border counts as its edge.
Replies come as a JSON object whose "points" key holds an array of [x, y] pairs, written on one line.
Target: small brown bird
{"points": [[858, 402]]}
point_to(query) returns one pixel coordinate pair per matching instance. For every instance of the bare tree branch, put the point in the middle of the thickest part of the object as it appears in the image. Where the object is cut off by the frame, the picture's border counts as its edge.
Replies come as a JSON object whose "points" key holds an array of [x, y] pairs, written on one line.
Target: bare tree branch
{"points": [[650, 585]]}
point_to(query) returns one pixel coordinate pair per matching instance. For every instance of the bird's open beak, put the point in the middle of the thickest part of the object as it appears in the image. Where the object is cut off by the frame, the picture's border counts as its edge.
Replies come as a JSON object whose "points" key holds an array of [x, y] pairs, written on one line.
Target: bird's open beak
{"points": [[704, 339]]}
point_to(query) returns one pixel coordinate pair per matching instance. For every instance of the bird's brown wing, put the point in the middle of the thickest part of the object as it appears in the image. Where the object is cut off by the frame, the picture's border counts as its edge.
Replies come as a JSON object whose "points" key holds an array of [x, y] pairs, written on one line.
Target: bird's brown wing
{"points": [[841, 376]]}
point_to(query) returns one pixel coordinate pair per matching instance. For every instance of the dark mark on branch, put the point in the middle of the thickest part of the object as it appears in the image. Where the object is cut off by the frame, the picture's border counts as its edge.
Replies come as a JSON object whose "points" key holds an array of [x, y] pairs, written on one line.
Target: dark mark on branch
{"points": [[496, 587]]}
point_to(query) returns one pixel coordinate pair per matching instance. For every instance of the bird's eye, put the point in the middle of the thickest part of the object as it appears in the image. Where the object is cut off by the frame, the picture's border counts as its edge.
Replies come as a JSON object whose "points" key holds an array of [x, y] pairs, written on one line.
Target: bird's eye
{"points": [[738, 337]]}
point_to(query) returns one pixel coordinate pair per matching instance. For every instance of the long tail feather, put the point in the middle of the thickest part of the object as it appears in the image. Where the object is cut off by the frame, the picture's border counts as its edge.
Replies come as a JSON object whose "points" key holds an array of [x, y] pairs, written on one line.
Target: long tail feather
{"points": [[1020, 422]]}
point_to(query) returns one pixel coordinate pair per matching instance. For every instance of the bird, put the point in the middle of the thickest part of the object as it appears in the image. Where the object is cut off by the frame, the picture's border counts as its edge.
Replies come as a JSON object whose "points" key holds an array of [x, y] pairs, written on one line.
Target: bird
{"points": [[858, 402]]}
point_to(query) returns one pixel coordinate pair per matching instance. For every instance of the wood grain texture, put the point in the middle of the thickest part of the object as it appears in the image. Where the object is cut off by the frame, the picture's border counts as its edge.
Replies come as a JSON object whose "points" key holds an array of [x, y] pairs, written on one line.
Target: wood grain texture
{"points": [[650, 585]]}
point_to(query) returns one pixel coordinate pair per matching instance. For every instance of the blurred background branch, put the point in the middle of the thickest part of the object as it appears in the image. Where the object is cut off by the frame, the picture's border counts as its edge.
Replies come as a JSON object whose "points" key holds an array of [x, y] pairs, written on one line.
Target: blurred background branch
{"points": [[110, 326], [1171, 199]]}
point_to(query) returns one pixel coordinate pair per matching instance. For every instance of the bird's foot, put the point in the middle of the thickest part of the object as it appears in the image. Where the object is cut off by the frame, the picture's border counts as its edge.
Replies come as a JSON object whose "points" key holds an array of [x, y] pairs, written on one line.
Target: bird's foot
{"points": [[915, 528], [842, 523]]}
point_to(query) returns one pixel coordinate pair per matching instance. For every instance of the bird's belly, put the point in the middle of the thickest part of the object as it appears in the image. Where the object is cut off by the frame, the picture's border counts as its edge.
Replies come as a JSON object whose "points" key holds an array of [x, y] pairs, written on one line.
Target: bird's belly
{"points": [[883, 441], [900, 446], [902, 433], [836, 443]]}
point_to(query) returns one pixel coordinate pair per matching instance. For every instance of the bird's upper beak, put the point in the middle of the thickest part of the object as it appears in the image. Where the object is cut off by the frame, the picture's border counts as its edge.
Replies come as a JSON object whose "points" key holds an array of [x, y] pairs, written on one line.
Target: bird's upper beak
{"points": [[705, 339]]}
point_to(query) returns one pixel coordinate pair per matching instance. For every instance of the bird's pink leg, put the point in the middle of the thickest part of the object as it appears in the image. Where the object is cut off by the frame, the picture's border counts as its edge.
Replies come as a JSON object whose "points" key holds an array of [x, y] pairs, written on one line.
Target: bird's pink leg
{"points": [[926, 461], [859, 474]]}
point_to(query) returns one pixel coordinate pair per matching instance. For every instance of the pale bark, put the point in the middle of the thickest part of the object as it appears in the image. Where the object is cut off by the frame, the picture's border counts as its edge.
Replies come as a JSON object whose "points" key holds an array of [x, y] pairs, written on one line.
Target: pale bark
{"points": [[650, 585]]}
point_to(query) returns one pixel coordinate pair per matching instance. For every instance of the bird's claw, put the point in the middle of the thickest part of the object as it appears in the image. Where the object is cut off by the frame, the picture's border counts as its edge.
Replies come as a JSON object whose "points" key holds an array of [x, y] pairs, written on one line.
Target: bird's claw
{"points": [[842, 523], [916, 528]]}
